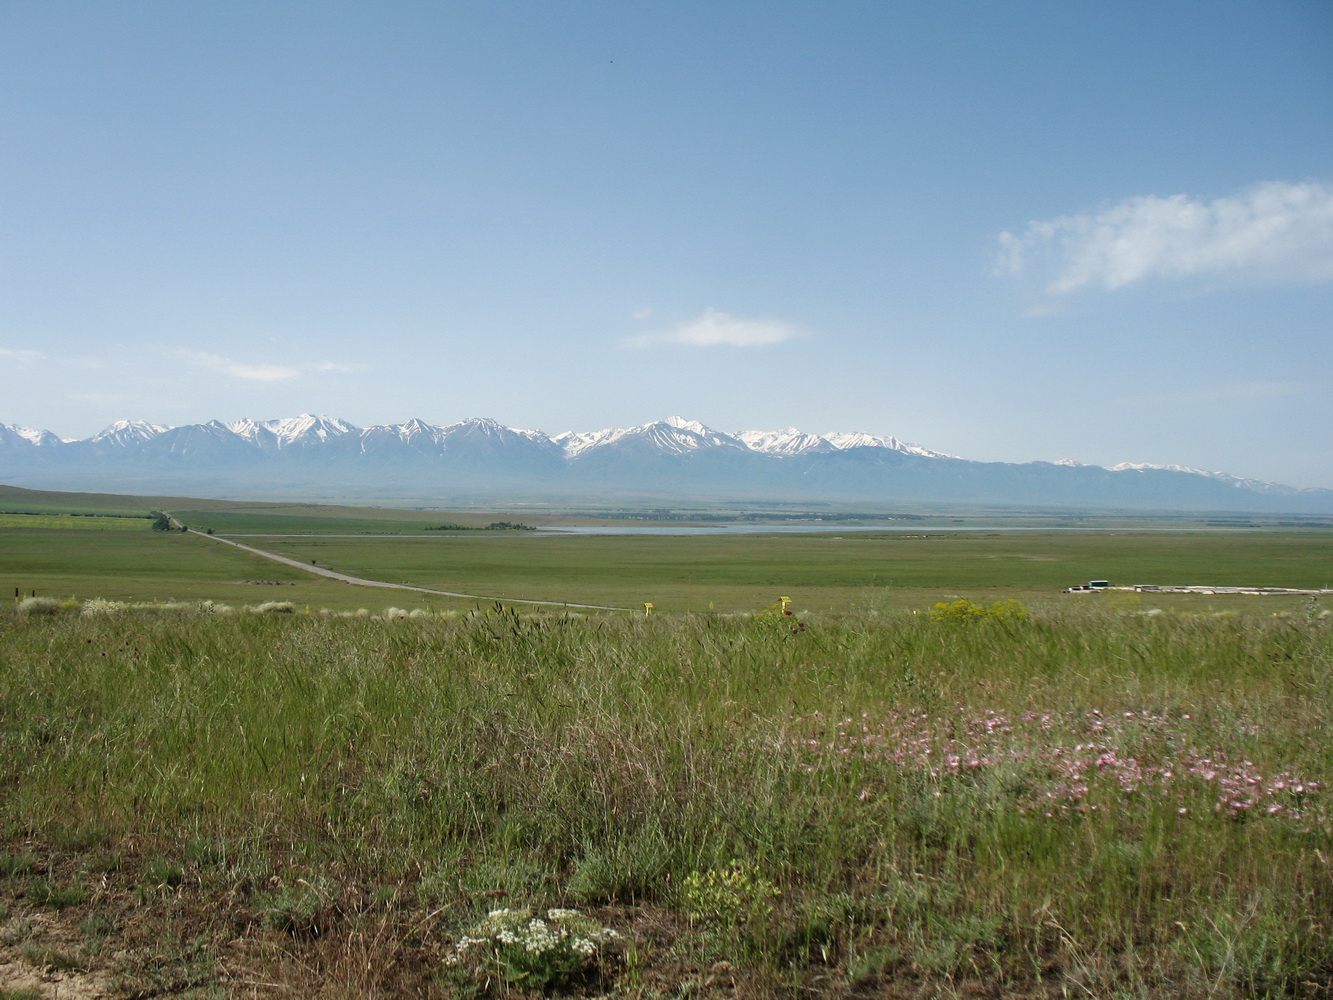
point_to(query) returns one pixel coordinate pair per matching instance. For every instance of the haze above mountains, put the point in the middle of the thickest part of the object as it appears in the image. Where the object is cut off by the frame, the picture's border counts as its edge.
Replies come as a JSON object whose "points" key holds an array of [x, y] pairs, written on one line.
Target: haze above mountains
{"points": [[319, 457]]}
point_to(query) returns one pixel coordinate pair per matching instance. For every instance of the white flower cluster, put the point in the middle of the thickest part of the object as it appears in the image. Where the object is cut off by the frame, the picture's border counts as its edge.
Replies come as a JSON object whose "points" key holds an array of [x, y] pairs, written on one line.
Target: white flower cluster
{"points": [[564, 936]]}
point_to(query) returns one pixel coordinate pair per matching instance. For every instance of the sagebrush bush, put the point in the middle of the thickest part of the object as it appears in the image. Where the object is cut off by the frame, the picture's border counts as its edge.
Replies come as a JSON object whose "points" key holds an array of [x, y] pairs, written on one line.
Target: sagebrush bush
{"points": [[275, 608], [38, 606], [100, 606]]}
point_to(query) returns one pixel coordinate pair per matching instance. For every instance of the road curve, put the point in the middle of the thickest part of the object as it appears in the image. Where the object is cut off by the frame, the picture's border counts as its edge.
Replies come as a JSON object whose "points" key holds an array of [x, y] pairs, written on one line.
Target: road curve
{"points": [[360, 582]]}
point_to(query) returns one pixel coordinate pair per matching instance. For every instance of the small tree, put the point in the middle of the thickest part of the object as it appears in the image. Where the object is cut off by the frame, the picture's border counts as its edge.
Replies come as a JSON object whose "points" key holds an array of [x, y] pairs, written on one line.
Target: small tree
{"points": [[160, 521]]}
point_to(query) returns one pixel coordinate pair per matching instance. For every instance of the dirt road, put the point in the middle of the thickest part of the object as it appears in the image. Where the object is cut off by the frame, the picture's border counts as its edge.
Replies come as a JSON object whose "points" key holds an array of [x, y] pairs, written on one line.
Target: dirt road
{"points": [[361, 582]]}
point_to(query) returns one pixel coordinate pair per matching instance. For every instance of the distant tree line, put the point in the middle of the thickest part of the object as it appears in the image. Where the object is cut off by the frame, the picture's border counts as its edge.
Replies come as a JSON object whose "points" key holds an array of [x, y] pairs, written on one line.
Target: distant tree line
{"points": [[493, 526], [71, 513]]}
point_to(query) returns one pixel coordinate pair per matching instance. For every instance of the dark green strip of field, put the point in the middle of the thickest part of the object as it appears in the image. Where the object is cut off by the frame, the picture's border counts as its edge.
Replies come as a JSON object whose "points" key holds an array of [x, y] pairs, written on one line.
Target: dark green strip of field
{"points": [[313, 519]]}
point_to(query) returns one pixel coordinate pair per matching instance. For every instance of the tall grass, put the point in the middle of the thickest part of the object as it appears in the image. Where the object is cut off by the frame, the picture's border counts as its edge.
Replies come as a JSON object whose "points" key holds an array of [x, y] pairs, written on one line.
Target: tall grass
{"points": [[1116, 804]]}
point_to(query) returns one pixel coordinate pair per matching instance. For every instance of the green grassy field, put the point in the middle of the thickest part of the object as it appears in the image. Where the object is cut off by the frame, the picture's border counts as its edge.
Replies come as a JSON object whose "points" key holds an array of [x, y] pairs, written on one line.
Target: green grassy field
{"points": [[822, 573], [78, 522], [1078, 803], [216, 794], [146, 565]]}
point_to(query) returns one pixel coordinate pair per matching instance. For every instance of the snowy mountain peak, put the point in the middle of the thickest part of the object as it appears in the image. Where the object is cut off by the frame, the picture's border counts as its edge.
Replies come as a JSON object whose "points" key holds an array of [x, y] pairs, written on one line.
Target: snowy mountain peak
{"points": [[785, 442], [485, 425], [246, 428], [415, 428], [574, 443], [693, 426], [1150, 467], [676, 435], [307, 429], [859, 439], [128, 432], [1258, 485], [36, 437]]}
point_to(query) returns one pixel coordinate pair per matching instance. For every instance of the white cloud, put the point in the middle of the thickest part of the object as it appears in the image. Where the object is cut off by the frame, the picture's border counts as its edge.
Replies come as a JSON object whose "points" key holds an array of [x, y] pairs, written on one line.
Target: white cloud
{"points": [[714, 329], [250, 372], [1273, 233], [261, 372]]}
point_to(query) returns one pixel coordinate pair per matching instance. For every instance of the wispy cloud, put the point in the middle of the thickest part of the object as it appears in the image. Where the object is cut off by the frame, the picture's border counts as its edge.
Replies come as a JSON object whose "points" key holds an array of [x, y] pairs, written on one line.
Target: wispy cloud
{"points": [[236, 369], [20, 356], [717, 329], [260, 372], [1272, 233]]}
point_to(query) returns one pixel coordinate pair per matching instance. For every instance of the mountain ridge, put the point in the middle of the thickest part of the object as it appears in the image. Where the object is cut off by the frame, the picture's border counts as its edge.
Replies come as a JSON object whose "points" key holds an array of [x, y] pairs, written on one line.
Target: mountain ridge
{"points": [[674, 457]]}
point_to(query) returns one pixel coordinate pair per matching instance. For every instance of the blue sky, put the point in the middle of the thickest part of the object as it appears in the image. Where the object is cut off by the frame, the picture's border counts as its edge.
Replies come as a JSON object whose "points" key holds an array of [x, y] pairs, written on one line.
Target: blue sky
{"points": [[1008, 231]]}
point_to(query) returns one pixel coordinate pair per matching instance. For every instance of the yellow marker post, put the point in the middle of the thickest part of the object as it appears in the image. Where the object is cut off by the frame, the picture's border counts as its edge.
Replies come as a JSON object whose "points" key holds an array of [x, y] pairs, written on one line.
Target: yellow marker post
{"points": [[647, 607]]}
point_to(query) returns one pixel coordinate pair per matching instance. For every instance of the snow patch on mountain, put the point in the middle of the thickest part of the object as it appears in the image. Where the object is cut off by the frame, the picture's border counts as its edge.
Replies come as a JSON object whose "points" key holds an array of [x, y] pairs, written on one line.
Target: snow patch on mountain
{"points": [[862, 440], [672, 436], [308, 428], [575, 443], [36, 437], [128, 432], [785, 442], [1226, 477]]}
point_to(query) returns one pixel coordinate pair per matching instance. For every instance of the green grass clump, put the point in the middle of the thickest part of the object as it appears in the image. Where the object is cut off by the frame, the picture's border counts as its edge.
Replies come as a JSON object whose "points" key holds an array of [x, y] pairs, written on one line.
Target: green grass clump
{"points": [[1119, 803], [45, 893], [16, 863]]}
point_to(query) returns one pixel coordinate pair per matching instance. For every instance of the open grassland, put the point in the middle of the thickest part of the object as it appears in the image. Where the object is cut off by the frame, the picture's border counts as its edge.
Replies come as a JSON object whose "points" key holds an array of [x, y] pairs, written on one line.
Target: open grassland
{"points": [[821, 571], [238, 515], [698, 573], [1073, 803], [310, 518], [147, 565], [57, 549], [77, 522], [17, 500]]}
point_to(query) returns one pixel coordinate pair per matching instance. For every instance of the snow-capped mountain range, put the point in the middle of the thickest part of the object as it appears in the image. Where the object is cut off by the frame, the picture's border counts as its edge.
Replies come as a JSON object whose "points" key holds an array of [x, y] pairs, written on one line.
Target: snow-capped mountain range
{"points": [[320, 456], [672, 436]]}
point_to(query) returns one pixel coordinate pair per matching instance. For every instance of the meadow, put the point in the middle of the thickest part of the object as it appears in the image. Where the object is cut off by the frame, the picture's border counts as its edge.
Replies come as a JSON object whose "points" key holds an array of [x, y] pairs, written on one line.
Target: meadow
{"points": [[845, 765], [202, 802], [829, 572], [120, 558]]}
